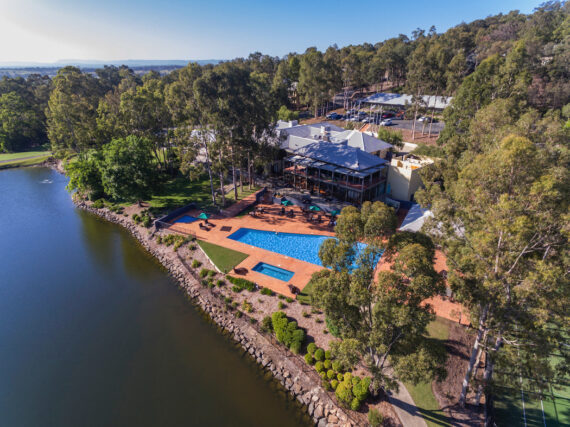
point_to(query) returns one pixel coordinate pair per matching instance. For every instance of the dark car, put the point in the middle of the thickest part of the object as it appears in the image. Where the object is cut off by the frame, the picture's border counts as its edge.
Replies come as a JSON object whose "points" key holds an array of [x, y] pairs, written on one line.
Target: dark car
{"points": [[334, 116]]}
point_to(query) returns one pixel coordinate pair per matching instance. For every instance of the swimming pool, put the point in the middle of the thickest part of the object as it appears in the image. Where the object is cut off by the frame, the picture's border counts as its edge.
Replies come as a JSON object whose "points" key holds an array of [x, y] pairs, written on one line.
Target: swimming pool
{"points": [[304, 247], [186, 219], [273, 271]]}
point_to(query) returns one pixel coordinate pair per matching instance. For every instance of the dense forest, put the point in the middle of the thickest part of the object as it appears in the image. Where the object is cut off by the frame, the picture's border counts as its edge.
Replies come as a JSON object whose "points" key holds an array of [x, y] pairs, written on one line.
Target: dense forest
{"points": [[499, 198]]}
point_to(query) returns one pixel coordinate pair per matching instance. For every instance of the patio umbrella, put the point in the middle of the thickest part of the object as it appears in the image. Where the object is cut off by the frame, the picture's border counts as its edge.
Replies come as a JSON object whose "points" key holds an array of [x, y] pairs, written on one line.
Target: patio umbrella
{"points": [[286, 203], [335, 212], [314, 208], [203, 215]]}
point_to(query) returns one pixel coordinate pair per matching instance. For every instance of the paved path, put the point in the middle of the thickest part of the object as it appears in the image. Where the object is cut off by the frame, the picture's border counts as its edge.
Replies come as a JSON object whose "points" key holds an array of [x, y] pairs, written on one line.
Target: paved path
{"points": [[405, 407]]}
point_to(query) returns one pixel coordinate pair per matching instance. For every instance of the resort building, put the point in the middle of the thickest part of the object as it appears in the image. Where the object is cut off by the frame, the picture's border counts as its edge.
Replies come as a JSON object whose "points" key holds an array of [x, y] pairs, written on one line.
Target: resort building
{"points": [[404, 176], [397, 101], [345, 164]]}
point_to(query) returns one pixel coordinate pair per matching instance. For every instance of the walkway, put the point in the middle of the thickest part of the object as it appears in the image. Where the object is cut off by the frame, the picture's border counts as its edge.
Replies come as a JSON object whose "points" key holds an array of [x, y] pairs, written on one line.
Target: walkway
{"points": [[242, 205]]}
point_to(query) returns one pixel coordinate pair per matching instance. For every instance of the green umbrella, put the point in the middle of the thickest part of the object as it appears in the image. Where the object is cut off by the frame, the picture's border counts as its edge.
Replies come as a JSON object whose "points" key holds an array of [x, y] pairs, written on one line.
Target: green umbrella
{"points": [[335, 212], [286, 203], [203, 215], [314, 208]]}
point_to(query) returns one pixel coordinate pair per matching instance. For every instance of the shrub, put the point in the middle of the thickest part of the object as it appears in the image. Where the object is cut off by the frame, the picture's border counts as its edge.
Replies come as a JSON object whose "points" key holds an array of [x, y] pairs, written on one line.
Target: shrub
{"points": [[146, 221], [220, 283], [326, 385], [330, 374], [196, 263], [234, 304], [204, 282], [159, 239], [361, 389], [280, 296], [280, 305], [344, 392], [266, 291], [355, 404], [340, 377], [309, 359], [318, 320], [336, 365], [252, 320], [266, 324], [239, 314], [334, 384], [287, 332], [323, 375], [348, 377], [210, 284], [242, 283], [311, 348], [247, 307], [193, 247], [236, 289], [99, 204], [289, 300], [328, 355], [332, 328], [305, 314], [320, 354], [375, 418], [211, 273], [136, 218], [355, 380], [204, 272], [327, 364], [319, 366]]}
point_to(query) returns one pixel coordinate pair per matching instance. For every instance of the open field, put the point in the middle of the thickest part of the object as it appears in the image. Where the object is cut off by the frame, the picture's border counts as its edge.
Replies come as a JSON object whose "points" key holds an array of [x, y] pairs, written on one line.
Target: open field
{"points": [[27, 158]]}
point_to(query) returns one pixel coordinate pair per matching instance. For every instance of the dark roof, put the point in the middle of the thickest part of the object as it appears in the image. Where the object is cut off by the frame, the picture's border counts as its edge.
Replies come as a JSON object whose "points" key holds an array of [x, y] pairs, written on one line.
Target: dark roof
{"points": [[340, 155]]}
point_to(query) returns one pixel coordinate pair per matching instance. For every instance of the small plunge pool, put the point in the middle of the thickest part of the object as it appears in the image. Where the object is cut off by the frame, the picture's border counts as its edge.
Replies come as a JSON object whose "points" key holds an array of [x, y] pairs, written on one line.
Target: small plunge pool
{"points": [[186, 219], [273, 271]]}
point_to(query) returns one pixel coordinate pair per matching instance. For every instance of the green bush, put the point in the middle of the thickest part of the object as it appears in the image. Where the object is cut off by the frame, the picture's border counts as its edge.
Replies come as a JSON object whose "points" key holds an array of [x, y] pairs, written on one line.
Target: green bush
{"points": [[239, 314], [236, 289], [242, 283], [333, 329], [311, 348], [305, 314], [211, 273], [334, 384], [136, 218], [375, 418], [204, 282], [146, 221], [340, 377], [327, 364], [330, 374], [99, 204], [361, 389], [204, 272], [247, 306], [319, 366], [355, 404], [323, 375], [355, 380], [159, 239], [252, 320], [336, 365], [266, 324], [280, 296], [287, 332], [328, 355], [280, 305], [309, 359], [266, 291], [344, 392], [289, 300], [228, 300], [326, 385], [196, 263], [348, 377], [320, 354], [220, 283]]}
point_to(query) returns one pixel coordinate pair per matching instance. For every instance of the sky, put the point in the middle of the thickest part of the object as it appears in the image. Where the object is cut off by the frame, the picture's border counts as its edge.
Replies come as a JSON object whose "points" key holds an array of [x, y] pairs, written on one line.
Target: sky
{"points": [[52, 30]]}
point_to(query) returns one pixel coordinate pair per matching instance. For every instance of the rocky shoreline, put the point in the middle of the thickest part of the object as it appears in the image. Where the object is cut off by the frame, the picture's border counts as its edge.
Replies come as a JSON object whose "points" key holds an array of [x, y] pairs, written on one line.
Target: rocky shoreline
{"points": [[290, 370]]}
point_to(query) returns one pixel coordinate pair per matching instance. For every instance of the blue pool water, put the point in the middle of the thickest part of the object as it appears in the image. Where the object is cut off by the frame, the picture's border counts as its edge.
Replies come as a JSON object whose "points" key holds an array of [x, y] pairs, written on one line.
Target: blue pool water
{"points": [[273, 271], [300, 246], [186, 219]]}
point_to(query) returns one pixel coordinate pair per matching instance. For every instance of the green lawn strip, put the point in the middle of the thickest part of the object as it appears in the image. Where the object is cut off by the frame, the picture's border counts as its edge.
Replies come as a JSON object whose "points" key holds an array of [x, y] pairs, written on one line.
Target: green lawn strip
{"points": [[305, 295], [23, 155], [225, 259], [24, 162], [422, 393]]}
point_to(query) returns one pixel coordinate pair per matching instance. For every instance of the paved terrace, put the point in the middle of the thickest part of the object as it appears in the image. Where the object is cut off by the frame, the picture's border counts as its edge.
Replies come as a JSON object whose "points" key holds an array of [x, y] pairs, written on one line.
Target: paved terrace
{"points": [[270, 221]]}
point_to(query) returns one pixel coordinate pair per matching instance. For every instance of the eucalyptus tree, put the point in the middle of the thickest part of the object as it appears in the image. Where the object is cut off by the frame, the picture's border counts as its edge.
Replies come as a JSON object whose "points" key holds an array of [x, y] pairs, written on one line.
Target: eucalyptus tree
{"points": [[501, 218], [380, 317], [313, 79]]}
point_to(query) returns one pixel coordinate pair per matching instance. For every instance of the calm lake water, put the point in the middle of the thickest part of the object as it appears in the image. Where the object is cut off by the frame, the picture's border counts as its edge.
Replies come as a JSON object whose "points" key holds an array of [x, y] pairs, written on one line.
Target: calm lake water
{"points": [[94, 333]]}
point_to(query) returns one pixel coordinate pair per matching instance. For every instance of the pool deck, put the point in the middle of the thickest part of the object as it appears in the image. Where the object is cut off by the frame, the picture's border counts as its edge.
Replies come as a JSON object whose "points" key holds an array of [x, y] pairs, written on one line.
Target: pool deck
{"points": [[270, 221]]}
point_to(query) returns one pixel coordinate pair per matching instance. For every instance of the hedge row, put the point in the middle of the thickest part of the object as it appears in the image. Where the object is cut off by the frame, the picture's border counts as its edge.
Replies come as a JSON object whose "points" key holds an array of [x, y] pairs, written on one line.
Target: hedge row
{"points": [[241, 283]]}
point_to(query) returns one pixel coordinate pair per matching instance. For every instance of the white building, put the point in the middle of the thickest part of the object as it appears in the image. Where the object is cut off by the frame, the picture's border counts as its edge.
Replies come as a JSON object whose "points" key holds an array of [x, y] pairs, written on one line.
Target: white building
{"points": [[404, 176]]}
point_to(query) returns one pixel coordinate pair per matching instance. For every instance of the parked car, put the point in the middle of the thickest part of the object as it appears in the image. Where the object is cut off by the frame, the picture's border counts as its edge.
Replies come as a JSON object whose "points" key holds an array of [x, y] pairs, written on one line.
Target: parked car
{"points": [[334, 116], [426, 119], [386, 122], [401, 114], [387, 115]]}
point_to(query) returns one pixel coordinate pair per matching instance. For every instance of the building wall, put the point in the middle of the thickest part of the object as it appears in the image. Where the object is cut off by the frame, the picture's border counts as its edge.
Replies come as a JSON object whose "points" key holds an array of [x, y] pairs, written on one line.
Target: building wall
{"points": [[404, 181]]}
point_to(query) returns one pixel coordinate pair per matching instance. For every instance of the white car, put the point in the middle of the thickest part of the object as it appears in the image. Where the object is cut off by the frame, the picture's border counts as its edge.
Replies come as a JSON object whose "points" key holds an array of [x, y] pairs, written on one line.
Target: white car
{"points": [[387, 122]]}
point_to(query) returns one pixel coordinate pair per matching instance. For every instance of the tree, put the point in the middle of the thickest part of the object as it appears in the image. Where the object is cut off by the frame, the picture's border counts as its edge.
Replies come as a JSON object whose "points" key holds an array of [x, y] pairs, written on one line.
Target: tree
{"points": [[20, 125], [128, 171], [85, 175], [393, 137], [503, 224], [287, 115], [381, 321], [313, 86]]}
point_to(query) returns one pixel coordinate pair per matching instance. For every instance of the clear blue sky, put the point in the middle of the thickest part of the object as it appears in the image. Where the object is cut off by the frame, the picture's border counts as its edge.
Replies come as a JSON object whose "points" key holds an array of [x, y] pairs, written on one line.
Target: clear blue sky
{"points": [[48, 30]]}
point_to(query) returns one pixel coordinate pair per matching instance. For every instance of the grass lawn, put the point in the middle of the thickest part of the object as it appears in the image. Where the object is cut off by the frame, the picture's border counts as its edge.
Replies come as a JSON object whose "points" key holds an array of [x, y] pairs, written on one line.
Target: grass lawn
{"points": [[305, 295], [23, 159], [180, 191], [225, 259], [423, 396]]}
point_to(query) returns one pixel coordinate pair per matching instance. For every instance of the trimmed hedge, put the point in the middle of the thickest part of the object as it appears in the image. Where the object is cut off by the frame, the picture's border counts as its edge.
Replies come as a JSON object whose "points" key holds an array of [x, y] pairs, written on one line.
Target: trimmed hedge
{"points": [[242, 283], [287, 332]]}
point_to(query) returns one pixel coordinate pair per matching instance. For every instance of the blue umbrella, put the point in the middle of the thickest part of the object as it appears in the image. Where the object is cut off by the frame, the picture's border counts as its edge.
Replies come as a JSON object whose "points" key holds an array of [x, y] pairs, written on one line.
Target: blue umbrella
{"points": [[286, 203], [314, 208]]}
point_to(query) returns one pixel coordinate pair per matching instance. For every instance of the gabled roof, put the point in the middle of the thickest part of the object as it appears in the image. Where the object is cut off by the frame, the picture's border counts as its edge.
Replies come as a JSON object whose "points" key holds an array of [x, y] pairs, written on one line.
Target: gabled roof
{"points": [[362, 141], [340, 155]]}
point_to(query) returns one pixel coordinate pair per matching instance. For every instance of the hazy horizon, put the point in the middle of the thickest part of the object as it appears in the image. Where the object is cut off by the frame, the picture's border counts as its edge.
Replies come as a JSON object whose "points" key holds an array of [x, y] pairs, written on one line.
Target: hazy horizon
{"points": [[106, 31]]}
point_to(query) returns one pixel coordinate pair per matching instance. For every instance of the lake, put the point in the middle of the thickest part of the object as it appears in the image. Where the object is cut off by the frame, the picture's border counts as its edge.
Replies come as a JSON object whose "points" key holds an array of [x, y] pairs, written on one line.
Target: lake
{"points": [[93, 332]]}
